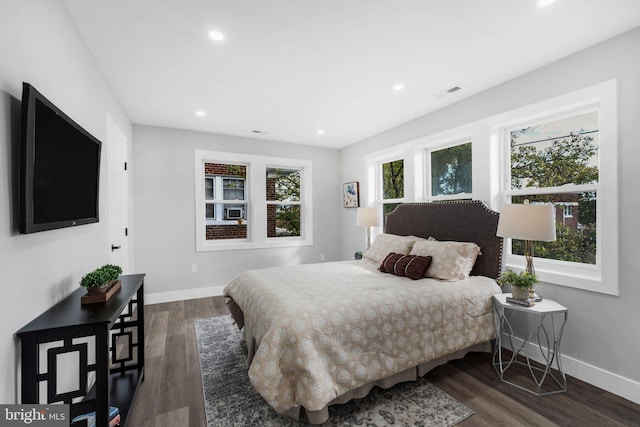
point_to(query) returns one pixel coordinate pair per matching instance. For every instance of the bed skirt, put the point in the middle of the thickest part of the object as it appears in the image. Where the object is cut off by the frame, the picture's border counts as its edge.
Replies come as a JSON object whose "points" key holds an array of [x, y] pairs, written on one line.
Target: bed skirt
{"points": [[322, 415]]}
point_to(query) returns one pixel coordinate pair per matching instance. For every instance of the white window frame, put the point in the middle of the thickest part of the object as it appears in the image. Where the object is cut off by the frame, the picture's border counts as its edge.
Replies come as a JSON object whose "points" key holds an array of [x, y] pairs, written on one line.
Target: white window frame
{"points": [[213, 186], [603, 276], [300, 202], [255, 201], [427, 196], [218, 189], [567, 210], [373, 183], [380, 183], [374, 177]]}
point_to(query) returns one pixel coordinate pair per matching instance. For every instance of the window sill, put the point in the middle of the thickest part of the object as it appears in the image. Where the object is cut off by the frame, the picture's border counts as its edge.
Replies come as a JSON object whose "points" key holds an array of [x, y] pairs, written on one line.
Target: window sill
{"points": [[225, 222], [273, 242], [579, 276]]}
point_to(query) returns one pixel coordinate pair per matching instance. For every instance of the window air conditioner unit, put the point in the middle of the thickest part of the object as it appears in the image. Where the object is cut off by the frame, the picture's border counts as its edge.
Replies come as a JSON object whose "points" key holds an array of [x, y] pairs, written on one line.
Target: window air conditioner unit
{"points": [[234, 213]]}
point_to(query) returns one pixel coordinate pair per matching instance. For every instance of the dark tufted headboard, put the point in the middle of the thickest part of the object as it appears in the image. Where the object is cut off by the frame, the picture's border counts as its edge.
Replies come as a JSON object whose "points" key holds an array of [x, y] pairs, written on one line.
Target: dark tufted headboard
{"points": [[461, 221]]}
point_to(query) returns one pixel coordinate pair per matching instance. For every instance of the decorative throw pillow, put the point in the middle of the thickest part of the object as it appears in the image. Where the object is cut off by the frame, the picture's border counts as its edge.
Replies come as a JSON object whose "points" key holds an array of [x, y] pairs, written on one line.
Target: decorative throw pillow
{"points": [[451, 260], [411, 266], [387, 243]]}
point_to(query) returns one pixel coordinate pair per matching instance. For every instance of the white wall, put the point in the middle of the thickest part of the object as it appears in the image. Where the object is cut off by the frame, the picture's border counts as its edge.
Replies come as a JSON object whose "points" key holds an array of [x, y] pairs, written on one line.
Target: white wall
{"points": [[601, 337], [39, 45], [163, 171]]}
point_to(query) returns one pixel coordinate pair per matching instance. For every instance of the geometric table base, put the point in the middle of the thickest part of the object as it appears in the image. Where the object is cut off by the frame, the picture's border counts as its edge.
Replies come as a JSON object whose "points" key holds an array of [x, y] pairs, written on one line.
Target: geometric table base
{"points": [[540, 338]]}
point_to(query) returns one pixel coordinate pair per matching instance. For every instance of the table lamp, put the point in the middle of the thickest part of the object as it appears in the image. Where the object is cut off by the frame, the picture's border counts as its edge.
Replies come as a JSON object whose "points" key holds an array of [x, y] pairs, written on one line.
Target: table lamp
{"points": [[528, 222], [368, 217]]}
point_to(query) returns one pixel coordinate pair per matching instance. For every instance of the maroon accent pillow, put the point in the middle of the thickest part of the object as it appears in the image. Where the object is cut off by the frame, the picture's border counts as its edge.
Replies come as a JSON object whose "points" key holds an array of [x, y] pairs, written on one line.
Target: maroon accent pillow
{"points": [[411, 266]]}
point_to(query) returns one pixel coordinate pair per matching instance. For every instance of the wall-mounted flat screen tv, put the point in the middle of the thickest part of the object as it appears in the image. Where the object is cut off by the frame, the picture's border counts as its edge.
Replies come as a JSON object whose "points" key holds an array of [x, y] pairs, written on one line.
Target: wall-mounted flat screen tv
{"points": [[59, 167]]}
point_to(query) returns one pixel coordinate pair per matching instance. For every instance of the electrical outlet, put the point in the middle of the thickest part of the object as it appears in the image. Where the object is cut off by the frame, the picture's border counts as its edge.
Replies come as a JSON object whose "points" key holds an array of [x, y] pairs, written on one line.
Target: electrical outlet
{"points": [[194, 268]]}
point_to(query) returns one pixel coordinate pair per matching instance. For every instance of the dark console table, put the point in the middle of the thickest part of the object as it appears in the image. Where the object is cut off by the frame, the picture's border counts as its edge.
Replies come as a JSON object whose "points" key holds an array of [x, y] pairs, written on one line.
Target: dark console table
{"points": [[113, 329]]}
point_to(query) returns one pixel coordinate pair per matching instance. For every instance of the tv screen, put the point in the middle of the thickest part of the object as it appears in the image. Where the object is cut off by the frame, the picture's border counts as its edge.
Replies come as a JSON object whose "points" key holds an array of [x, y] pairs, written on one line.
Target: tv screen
{"points": [[60, 167]]}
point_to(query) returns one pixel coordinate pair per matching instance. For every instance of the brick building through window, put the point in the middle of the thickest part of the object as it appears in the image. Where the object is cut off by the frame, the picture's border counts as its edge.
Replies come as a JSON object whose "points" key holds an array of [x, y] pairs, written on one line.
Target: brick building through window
{"points": [[225, 201]]}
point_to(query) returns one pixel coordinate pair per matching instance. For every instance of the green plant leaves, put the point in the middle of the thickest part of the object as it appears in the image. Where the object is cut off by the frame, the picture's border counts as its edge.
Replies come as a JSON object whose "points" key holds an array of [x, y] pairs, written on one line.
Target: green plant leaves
{"points": [[101, 276]]}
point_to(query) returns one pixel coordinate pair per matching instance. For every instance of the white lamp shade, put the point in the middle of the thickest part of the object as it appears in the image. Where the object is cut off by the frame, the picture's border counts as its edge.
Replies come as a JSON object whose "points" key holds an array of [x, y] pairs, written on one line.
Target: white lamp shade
{"points": [[528, 222], [368, 217]]}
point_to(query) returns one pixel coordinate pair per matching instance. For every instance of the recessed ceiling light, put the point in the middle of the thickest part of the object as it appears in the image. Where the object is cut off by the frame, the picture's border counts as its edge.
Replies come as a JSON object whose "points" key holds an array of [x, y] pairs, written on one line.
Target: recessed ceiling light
{"points": [[398, 86], [543, 3], [200, 113], [320, 131], [216, 35]]}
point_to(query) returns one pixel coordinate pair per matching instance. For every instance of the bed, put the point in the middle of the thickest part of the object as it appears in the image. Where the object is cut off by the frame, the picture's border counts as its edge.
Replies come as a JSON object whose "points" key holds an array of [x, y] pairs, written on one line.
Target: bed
{"points": [[323, 334]]}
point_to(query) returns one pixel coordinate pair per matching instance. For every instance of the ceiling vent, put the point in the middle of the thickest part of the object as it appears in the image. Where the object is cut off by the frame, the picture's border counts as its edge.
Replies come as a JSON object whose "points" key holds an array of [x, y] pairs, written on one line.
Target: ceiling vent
{"points": [[261, 132], [446, 92]]}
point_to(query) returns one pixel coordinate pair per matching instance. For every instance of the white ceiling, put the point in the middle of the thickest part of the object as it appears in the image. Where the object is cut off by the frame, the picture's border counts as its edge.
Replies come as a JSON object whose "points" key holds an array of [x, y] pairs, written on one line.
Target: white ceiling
{"points": [[291, 67]]}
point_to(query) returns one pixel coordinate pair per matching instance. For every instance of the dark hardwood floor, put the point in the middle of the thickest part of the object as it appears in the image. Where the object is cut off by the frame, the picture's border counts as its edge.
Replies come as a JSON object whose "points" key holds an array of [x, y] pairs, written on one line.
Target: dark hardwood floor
{"points": [[171, 394]]}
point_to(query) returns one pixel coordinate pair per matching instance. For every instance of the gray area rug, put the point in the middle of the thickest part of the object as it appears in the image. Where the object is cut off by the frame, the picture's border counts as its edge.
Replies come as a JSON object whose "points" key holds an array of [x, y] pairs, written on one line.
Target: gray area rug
{"points": [[230, 399]]}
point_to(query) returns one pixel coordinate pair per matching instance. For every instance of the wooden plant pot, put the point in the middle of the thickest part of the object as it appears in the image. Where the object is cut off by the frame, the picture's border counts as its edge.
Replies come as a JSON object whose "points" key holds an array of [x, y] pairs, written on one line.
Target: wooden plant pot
{"points": [[102, 295], [95, 290]]}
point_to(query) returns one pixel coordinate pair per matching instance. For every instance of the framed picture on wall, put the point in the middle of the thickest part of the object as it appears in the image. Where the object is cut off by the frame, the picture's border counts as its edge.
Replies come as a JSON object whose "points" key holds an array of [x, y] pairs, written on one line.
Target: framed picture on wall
{"points": [[351, 195]]}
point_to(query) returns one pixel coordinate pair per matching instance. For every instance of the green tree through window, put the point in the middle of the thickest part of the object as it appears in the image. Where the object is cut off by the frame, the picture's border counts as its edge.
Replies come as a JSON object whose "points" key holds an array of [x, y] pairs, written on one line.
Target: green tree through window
{"points": [[571, 158], [392, 185], [451, 170], [283, 217]]}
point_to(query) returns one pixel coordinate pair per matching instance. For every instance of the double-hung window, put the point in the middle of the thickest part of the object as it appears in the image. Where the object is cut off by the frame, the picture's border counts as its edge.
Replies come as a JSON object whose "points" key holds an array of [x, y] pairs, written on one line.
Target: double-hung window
{"points": [[385, 186], [556, 162], [226, 202], [248, 201], [391, 178], [283, 202], [566, 158]]}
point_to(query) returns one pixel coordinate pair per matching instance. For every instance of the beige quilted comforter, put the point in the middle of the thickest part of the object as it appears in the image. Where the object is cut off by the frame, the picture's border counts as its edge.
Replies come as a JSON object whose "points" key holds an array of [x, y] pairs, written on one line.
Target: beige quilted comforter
{"points": [[324, 329]]}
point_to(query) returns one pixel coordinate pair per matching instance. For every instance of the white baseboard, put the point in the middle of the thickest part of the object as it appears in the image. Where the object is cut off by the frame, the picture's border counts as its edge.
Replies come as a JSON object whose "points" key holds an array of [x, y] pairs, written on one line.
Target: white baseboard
{"points": [[609, 381], [160, 297]]}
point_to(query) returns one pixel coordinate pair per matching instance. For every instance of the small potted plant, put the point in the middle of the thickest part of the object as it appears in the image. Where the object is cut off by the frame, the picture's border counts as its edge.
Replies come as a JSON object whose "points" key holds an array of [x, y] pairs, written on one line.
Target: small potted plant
{"points": [[100, 279], [521, 284]]}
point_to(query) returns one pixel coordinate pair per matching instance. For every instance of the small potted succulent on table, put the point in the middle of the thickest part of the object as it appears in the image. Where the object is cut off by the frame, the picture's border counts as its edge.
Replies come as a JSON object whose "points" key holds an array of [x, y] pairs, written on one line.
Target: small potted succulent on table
{"points": [[101, 279], [522, 284]]}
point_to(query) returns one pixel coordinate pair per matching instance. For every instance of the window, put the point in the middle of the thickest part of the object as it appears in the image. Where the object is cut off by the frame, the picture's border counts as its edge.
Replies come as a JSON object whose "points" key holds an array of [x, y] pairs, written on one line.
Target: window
{"points": [[557, 162], [283, 202], [385, 186], [563, 151], [567, 210], [392, 179], [451, 171], [225, 201], [245, 201]]}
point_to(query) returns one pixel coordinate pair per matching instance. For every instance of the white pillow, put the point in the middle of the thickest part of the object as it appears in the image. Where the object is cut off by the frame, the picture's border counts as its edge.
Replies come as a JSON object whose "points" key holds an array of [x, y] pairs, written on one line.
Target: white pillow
{"points": [[450, 260], [387, 243]]}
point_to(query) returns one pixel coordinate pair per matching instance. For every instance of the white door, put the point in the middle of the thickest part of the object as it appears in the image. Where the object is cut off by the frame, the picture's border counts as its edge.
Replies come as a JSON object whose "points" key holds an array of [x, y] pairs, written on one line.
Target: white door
{"points": [[118, 206]]}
